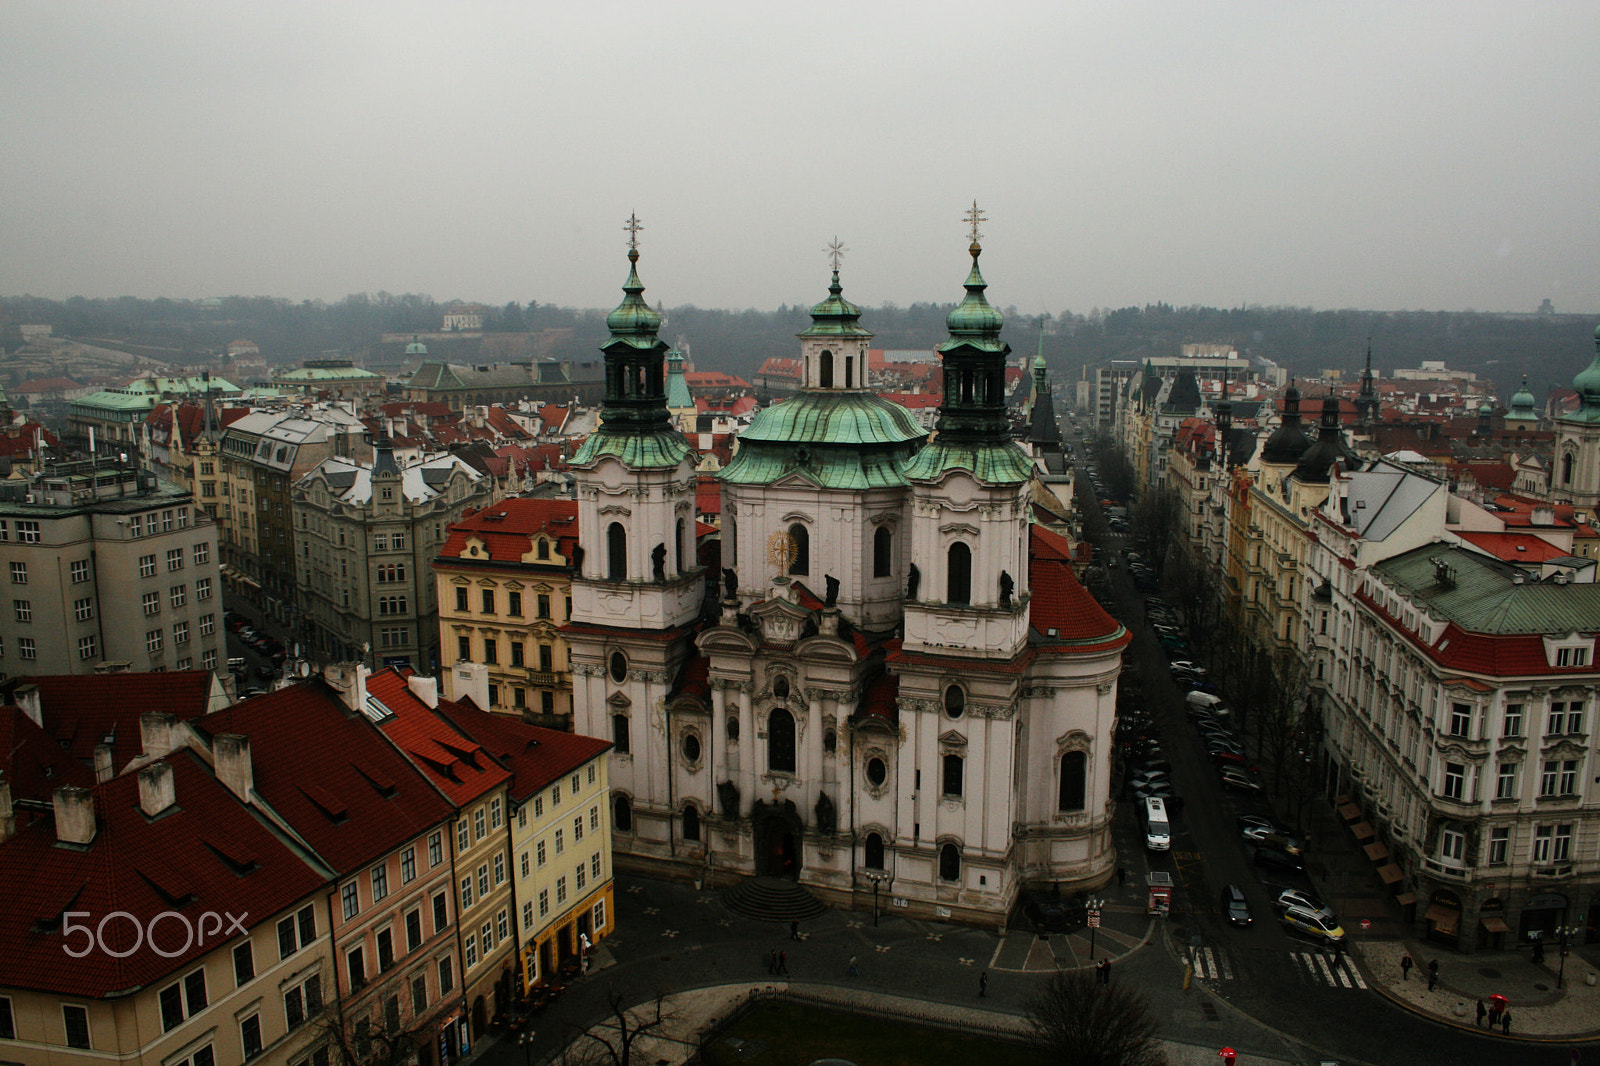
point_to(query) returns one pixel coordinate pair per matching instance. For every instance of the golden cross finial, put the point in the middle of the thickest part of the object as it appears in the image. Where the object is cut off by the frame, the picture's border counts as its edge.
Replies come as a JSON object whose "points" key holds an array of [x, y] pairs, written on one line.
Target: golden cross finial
{"points": [[974, 217], [633, 226], [836, 252]]}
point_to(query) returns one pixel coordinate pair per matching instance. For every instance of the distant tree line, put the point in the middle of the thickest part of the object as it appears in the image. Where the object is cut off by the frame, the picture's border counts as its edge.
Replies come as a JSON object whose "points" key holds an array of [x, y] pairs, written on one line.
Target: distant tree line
{"points": [[1549, 348]]}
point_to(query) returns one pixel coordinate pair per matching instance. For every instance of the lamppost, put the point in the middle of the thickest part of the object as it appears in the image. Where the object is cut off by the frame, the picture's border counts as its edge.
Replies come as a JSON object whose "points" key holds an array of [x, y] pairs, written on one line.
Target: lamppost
{"points": [[525, 1041], [876, 879], [1565, 932], [1093, 906]]}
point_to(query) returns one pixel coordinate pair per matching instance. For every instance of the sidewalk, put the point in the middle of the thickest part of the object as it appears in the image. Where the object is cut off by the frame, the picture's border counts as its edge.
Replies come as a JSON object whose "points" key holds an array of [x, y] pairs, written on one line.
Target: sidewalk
{"points": [[1539, 1010]]}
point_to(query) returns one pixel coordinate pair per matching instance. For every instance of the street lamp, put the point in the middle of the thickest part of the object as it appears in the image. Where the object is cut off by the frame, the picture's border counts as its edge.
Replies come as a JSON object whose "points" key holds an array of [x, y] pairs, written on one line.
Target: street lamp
{"points": [[1093, 906], [876, 879], [1565, 932], [526, 1042]]}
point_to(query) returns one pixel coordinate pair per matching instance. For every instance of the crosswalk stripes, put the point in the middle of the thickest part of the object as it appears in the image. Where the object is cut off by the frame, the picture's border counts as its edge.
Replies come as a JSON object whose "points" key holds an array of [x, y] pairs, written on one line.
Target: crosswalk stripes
{"points": [[1212, 965], [1320, 970]]}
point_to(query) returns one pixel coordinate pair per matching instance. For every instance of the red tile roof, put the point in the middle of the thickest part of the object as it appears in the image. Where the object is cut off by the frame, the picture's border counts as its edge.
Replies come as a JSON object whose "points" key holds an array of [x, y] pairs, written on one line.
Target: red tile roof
{"points": [[1514, 547], [507, 528], [23, 440], [456, 764], [536, 756], [206, 853], [1062, 610], [350, 795], [34, 764], [714, 379], [78, 711]]}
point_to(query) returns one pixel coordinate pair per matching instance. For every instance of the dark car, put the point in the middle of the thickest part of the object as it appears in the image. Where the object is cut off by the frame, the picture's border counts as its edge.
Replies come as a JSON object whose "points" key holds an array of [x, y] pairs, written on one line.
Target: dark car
{"points": [[1235, 906], [1273, 859]]}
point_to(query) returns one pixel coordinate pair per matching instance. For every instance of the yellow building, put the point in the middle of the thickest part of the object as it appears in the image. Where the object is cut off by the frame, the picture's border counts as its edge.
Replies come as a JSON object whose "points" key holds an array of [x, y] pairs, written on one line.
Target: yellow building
{"points": [[504, 579]]}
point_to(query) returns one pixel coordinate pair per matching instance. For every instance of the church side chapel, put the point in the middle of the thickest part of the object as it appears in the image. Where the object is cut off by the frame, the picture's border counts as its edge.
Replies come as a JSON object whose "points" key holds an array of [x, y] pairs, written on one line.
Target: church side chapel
{"points": [[899, 691]]}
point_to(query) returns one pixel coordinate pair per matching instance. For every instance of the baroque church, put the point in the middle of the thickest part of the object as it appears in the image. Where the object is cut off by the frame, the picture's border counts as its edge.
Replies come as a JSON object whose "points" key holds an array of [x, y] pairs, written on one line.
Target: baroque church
{"points": [[895, 683]]}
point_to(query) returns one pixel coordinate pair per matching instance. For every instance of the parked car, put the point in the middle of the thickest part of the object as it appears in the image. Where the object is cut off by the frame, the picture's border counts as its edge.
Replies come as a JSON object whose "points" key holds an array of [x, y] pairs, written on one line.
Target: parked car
{"points": [[1312, 923], [1143, 780], [1235, 906], [1236, 780], [1280, 841], [1245, 821], [1294, 897]]}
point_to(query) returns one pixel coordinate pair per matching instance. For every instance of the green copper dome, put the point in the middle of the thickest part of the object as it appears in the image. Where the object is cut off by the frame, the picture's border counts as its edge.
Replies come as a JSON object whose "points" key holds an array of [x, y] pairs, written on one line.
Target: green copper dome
{"points": [[973, 321], [836, 316], [1522, 409], [634, 322], [845, 440], [416, 347], [1587, 385], [678, 394]]}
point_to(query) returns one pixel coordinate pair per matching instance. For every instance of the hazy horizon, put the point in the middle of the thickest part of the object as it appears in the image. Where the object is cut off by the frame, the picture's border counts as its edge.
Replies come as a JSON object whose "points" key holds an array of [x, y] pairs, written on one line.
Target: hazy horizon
{"points": [[1436, 156]]}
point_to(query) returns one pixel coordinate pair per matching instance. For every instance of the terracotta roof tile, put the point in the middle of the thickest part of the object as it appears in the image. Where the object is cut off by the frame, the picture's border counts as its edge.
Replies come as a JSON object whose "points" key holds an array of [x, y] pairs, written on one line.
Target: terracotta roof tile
{"points": [[206, 853], [79, 710], [456, 764], [536, 756], [350, 795]]}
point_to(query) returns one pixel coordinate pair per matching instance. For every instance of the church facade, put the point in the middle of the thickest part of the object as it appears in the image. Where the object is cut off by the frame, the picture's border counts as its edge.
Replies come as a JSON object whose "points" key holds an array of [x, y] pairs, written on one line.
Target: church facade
{"points": [[894, 686]]}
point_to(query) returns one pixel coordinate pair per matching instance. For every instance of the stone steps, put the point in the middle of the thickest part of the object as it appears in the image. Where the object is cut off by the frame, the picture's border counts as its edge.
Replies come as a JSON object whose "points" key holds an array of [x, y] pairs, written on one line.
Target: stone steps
{"points": [[773, 899]]}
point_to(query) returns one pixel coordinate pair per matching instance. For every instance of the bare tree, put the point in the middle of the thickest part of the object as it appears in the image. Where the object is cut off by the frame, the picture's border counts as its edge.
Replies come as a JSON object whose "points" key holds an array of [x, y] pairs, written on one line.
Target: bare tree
{"points": [[1079, 1022], [613, 1042], [384, 1040]]}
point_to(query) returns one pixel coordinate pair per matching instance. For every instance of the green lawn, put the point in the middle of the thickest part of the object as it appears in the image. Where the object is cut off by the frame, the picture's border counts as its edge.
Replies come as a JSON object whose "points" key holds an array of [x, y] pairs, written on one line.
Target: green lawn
{"points": [[788, 1034]]}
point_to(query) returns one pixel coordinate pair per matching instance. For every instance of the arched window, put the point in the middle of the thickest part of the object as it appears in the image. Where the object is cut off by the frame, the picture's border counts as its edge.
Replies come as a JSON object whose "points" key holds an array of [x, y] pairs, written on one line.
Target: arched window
{"points": [[874, 856], [949, 863], [1074, 771], [780, 741], [958, 574], [1566, 469], [802, 550], [616, 552], [953, 767], [882, 552], [849, 373], [678, 539], [622, 814], [619, 733], [955, 701], [691, 822], [825, 377]]}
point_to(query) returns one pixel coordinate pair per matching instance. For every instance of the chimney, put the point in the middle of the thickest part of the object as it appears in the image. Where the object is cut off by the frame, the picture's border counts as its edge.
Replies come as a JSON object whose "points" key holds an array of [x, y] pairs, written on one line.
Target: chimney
{"points": [[425, 689], [350, 681], [8, 821], [156, 791], [470, 680], [103, 770], [155, 733], [233, 765], [27, 697], [74, 816]]}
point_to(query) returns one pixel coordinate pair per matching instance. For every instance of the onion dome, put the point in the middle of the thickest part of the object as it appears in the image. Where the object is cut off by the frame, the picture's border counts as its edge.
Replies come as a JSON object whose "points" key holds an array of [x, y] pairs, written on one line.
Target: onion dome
{"points": [[634, 321], [1587, 383], [1522, 405], [973, 320], [1289, 441], [1316, 465], [836, 316]]}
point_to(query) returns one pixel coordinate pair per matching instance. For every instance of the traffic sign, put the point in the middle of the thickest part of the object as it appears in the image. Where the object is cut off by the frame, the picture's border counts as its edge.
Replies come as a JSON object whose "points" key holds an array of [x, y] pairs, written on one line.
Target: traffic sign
{"points": [[1366, 923], [1094, 919]]}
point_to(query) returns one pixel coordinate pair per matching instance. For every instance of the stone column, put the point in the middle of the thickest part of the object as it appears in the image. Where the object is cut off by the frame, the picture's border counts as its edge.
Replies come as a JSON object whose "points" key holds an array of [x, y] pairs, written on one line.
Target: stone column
{"points": [[718, 751], [749, 757]]}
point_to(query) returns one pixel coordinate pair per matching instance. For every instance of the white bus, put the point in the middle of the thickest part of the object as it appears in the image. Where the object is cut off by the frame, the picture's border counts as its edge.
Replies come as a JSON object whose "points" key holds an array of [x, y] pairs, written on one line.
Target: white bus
{"points": [[1157, 832]]}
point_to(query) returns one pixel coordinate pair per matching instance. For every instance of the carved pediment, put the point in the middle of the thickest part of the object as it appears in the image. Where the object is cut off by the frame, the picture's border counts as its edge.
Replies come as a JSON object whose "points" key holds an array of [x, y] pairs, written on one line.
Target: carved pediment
{"points": [[618, 701], [952, 739], [959, 529]]}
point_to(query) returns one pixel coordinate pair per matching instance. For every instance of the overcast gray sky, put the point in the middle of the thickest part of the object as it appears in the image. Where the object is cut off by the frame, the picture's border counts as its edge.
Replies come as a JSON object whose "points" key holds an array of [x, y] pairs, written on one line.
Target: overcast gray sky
{"points": [[1374, 155]]}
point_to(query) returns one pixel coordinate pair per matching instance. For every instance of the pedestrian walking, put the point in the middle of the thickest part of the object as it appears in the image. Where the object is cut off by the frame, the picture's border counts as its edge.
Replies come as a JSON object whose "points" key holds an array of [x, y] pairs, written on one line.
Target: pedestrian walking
{"points": [[853, 970], [1405, 967], [1505, 1022], [1482, 1011], [983, 983], [794, 930], [772, 961], [1433, 973], [1494, 1014], [783, 962]]}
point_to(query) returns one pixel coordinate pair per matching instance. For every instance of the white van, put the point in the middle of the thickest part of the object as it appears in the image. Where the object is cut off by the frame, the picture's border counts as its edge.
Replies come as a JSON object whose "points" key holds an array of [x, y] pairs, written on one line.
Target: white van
{"points": [[1157, 832], [1205, 701]]}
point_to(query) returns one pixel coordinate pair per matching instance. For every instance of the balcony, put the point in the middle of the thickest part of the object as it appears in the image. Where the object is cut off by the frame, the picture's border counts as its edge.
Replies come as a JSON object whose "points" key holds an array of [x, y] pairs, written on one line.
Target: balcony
{"points": [[1459, 874]]}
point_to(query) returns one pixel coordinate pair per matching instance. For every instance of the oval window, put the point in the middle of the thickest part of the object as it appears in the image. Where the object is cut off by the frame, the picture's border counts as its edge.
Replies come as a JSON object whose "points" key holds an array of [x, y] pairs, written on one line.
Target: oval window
{"points": [[955, 701], [619, 667], [691, 747], [877, 771], [780, 687]]}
